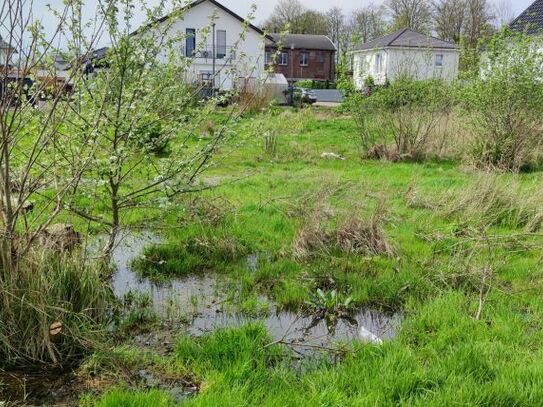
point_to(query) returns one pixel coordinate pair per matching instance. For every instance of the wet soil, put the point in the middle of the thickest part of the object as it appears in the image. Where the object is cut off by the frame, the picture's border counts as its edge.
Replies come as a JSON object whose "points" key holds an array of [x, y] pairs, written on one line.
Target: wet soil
{"points": [[196, 305], [204, 305]]}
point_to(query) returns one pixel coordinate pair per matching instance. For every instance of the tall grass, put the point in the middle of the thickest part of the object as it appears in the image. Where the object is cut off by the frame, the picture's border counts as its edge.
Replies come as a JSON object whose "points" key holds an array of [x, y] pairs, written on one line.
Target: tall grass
{"points": [[352, 234], [491, 202], [50, 310]]}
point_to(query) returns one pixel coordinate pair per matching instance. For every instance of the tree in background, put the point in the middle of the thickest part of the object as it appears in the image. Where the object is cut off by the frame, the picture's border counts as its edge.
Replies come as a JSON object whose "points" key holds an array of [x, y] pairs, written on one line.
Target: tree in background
{"points": [[414, 14], [366, 24], [293, 16], [312, 22], [336, 28], [503, 13], [478, 21], [450, 18]]}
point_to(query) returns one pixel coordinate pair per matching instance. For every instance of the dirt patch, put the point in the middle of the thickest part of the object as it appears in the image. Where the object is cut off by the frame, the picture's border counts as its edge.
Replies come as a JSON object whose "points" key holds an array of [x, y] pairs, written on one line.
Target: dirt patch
{"points": [[65, 387], [37, 388]]}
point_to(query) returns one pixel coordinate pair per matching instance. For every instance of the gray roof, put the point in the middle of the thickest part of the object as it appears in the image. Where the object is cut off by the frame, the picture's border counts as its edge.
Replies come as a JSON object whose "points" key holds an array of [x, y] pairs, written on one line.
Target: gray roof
{"points": [[305, 41], [531, 20], [195, 3], [407, 38]]}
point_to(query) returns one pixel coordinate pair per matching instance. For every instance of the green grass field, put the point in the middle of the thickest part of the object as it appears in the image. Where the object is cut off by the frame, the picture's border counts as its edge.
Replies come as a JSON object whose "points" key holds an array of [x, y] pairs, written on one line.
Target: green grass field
{"points": [[464, 269]]}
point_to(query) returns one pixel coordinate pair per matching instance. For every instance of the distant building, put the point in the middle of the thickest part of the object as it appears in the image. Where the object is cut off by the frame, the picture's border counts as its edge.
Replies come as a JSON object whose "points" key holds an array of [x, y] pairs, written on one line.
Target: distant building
{"points": [[405, 53], [228, 54], [531, 20], [302, 56], [6, 53]]}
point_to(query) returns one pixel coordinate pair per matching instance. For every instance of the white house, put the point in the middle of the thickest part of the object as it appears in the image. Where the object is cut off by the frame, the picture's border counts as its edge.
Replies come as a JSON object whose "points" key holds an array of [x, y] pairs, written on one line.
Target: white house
{"points": [[405, 53], [224, 49]]}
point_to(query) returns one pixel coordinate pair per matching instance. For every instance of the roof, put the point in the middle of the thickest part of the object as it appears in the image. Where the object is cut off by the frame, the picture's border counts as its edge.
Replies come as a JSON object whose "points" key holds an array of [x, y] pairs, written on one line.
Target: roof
{"points": [[197, 3], [407, 38], [531, 20], [305, 41]]}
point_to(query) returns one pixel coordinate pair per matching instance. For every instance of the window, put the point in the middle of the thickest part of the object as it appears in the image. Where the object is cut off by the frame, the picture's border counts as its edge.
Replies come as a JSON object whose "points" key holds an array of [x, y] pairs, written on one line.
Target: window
{"points": [[190, 42], [378, 68], [321, 58], [268, 58], [205, 78], [304, 59], [283, 58], [439, 61], [221, 44]]}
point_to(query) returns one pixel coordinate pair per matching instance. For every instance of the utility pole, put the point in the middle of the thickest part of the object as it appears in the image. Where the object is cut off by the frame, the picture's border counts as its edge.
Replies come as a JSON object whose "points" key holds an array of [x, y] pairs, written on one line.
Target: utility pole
{"points": [[214, 62]]}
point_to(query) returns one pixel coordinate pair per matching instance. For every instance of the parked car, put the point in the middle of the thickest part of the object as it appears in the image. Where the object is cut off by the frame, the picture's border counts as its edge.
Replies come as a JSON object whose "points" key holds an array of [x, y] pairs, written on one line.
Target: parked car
{"points": [[296, 96], [308, 96]]}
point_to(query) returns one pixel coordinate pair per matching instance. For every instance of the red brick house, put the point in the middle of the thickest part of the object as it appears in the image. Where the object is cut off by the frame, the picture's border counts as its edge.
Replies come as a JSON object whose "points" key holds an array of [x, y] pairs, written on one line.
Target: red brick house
{"points": [[302, 56]]}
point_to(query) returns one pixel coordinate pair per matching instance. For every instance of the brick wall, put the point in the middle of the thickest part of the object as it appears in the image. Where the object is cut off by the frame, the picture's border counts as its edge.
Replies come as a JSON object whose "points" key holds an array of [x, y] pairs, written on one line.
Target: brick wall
{"points": [[320, 66]]}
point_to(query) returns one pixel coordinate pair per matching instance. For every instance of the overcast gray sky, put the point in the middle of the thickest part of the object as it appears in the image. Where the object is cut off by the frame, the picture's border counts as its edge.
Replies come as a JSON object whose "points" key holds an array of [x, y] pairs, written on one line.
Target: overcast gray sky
{"points": [[242, 7]]}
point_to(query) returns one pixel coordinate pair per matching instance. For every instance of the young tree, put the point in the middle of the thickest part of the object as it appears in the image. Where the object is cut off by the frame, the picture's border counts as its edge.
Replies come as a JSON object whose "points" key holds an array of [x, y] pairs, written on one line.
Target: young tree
{"points": [[47, 300], [142, 112], [414, 14], [40, 165]]}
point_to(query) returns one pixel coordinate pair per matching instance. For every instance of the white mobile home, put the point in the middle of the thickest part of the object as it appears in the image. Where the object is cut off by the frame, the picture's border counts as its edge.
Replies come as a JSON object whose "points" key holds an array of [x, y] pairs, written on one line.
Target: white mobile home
{"points": [[405, 53]]}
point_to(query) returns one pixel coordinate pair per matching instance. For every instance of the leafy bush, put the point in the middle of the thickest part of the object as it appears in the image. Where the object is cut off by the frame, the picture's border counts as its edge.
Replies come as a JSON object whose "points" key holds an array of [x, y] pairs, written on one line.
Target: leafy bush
{"points": [[407, 112], [311, 84], [505, 104]]}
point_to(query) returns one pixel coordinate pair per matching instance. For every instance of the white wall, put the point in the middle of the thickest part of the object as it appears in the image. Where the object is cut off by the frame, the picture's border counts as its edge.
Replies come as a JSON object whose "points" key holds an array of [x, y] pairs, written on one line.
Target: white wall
{"points": [[415, 63], [3, 57], [248, 45], [364, 65]]}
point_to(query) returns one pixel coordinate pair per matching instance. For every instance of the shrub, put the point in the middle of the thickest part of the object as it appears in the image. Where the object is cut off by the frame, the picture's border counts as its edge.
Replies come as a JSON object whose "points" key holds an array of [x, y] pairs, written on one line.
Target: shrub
{"points": [[407, 112], [255, 99], [312, 84], [505, 104], [50, 309]]}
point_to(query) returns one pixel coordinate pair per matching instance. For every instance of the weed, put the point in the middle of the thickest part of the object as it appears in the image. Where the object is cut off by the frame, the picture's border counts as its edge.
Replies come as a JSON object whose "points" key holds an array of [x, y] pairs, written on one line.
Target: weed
{"points": [[330, 306], [137, 312], [490, 202], [353, 235], [50, 310]]}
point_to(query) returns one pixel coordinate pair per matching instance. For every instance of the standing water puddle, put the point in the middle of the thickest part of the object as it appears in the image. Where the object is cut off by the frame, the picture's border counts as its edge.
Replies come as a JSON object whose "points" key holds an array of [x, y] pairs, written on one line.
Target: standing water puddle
{"points": [[203, 301]]}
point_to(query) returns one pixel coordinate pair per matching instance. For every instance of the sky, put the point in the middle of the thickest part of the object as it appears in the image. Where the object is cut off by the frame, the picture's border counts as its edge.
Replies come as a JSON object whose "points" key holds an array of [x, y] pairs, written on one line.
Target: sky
{"points": [[242, 7]]}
